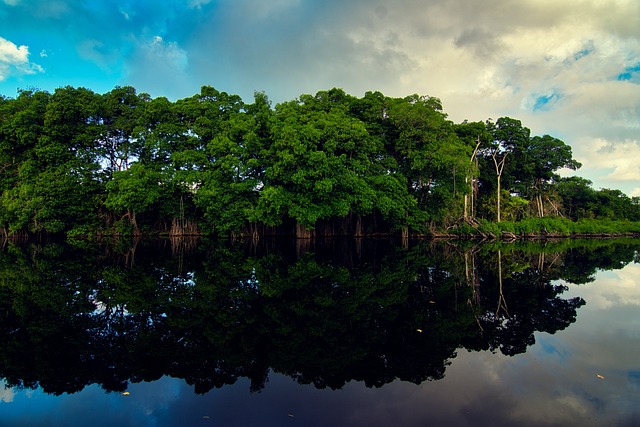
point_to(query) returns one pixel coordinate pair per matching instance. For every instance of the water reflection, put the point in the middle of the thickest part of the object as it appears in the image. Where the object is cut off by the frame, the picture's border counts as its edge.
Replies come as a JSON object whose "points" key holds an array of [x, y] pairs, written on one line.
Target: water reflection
{"points": [[329, 315]]}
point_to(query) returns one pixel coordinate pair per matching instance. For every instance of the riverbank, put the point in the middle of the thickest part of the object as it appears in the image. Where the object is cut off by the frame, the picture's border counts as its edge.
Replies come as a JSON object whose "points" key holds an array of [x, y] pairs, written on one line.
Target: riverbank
{"points": [[542, 228]]}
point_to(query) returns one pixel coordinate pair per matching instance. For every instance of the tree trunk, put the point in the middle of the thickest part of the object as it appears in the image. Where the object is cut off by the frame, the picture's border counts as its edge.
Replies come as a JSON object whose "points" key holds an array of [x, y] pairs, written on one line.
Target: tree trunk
{"points": [[136, 230], [303, 232], [470, 180], [499, 168], [498, 203], [358, 226]]}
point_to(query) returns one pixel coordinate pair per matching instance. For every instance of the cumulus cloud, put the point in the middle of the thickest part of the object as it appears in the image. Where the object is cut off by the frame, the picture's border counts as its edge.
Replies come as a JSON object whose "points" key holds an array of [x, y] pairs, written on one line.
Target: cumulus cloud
{"points": [[14, 60], [570, 68], [619, 158]]}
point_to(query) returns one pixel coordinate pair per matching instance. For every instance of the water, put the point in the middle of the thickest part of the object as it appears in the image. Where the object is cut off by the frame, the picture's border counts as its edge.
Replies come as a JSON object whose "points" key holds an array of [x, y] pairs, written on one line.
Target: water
{"points": [[340, 333]]}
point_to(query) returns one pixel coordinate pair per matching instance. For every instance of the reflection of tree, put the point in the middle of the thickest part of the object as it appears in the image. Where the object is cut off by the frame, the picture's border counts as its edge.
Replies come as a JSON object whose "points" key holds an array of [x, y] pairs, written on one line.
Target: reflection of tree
{"points": [[73, 316]]}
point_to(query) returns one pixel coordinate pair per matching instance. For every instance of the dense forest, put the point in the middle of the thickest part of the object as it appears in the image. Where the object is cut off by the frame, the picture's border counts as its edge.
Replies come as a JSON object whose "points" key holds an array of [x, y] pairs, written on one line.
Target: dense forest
{"points": [[78, 163]]}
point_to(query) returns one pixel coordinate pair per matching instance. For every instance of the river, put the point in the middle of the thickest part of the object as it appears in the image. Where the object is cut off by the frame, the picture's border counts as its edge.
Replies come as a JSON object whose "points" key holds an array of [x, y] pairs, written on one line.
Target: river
{"points": [[337, 332]]}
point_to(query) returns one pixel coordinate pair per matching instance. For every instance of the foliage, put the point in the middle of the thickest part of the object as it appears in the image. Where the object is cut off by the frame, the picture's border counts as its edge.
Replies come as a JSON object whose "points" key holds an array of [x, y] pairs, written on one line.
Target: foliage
{"points": [[76, 162]]}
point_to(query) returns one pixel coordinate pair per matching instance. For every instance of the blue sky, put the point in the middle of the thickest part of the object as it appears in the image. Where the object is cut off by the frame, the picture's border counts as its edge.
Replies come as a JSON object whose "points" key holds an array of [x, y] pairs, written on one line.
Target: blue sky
{"points": [[570, 69]]}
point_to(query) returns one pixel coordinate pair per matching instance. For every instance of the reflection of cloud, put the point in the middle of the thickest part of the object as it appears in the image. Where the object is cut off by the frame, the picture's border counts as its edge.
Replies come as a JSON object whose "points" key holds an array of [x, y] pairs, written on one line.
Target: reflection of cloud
{"points": [[6, 394], [615, 288], [633, 378]]}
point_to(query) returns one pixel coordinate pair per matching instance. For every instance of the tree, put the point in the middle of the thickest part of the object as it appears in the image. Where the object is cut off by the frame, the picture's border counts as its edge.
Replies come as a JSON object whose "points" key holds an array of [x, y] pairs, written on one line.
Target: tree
{"points": [[476, 135], [52, 186], [133, 191], [209, 166], [21, 126], [614, 204], [317, 163], [430, 155], [118, 118], [541, 159], [509, 137], [328, 162]]}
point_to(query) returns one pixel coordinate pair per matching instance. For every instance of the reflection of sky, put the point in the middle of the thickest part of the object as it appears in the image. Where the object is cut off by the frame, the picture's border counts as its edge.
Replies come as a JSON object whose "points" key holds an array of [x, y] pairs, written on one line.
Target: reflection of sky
{"points": [[555, 383]]}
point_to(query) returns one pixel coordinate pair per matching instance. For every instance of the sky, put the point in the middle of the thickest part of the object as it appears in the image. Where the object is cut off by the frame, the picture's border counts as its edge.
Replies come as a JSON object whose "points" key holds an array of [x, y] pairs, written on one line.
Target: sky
{"points": [[567, 68]]}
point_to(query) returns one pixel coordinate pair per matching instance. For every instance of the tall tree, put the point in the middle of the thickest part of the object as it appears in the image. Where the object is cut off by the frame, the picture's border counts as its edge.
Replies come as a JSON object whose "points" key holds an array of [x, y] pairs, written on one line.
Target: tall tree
{"points": [[476, 135], [579, 199], [317, 162], [509, 139], [209, 166], [133, 191], [430, 155], [541, 159], [118, 117], [54, 187]]}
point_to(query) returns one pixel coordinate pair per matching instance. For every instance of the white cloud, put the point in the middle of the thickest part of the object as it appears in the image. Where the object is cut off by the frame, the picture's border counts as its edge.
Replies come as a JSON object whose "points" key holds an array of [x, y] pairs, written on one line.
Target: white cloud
{"points": [[169, 54], [98, 52], [15, 60], [623, 157], [198, 3], [12, 54], [160, 67], [560, 78]]}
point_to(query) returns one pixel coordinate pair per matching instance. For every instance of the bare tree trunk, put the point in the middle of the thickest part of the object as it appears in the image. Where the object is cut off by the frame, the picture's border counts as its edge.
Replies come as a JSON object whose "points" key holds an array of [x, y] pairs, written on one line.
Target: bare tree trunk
{"points": [[499, 168], [498, 203], [358, 226], [303, 232], [469, 179], [555, 208]]}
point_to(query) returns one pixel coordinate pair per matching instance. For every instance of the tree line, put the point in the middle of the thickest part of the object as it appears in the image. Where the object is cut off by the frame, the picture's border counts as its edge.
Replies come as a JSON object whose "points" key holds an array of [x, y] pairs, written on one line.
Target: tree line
{"points": [[76, 162]]}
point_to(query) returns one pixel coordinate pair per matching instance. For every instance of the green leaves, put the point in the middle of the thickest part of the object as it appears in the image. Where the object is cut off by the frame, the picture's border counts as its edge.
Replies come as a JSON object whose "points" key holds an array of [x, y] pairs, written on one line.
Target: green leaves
{"points": [[330, 162], [133, 191]]}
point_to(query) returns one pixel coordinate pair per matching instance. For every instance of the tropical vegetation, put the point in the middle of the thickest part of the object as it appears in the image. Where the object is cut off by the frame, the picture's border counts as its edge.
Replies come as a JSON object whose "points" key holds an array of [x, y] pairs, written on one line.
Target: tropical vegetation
{"points": [[78, 163]]}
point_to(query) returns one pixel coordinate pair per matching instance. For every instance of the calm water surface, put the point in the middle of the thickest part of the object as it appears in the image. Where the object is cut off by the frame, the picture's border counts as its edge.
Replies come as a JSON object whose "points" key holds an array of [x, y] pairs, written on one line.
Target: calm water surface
{"points": [[279, 335]]}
